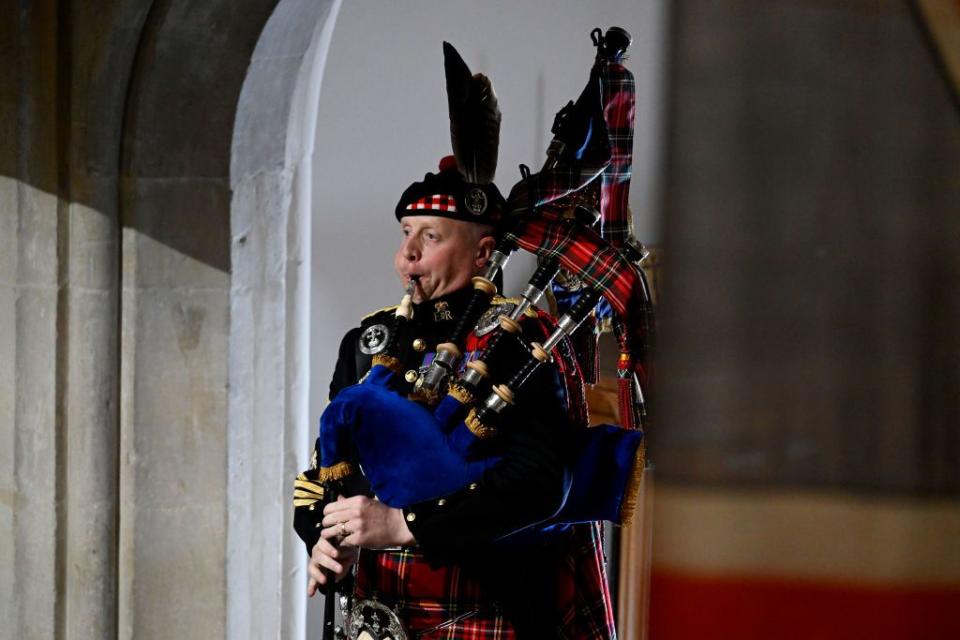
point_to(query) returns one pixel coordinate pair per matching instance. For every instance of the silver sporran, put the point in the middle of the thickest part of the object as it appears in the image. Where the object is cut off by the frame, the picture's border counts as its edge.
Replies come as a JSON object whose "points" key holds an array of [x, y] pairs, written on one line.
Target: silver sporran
{"points": [[373, 620]]}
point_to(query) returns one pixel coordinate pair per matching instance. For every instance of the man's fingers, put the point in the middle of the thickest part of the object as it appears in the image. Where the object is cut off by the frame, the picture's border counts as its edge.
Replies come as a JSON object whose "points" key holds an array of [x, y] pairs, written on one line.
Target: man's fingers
{"points": [[343, 529], [353, 540], [339, 516], [327, 562], [324, 548], [336, 531], [316, 576], [355, 502], [330, 532]]}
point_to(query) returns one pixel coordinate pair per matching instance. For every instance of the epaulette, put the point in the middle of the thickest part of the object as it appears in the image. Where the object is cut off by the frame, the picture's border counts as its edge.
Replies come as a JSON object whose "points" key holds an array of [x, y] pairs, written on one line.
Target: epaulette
{"points": [[377, 312]]}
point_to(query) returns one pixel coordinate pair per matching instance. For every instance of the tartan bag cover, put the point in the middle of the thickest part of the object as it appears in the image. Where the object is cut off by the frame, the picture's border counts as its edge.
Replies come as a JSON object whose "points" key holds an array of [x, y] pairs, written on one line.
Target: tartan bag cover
{"points": [[616, 224], [597, 260]]}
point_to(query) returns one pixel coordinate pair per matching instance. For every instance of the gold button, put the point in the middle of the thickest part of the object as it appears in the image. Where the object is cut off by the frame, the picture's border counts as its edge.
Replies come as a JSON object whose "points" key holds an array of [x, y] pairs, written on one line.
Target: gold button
{"points": [[411, 376], [419, 344], [411, 517], [316, 526], [312, 507], [441, 502], [473, 485]]}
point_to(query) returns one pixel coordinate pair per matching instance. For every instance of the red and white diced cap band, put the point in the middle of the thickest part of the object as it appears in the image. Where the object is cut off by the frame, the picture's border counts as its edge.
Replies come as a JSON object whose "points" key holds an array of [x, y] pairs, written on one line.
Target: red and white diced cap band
{"points": [[437, 202]]}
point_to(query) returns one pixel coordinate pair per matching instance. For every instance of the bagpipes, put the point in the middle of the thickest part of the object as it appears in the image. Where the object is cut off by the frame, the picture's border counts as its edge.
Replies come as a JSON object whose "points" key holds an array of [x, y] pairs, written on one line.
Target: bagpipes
{"points": [[431, 444]]}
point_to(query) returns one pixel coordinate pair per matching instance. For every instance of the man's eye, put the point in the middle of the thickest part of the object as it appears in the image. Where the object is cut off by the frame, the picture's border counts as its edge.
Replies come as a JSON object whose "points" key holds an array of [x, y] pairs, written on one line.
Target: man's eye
{"points": [[433, 236]]}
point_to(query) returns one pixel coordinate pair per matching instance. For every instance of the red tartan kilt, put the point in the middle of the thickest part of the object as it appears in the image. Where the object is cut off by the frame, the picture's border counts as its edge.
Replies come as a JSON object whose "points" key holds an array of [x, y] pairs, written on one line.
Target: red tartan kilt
{"points": [[424, 596]]}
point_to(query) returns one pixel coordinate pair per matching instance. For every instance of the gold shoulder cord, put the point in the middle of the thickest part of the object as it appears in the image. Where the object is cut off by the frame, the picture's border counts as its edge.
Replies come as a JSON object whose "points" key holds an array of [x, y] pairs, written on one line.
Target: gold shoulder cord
{"points": [[378, 311]]}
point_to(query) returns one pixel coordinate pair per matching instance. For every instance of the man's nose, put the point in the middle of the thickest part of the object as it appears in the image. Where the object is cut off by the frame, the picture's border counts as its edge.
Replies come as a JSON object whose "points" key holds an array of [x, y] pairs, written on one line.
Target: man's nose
{"points": [[411, 249]]}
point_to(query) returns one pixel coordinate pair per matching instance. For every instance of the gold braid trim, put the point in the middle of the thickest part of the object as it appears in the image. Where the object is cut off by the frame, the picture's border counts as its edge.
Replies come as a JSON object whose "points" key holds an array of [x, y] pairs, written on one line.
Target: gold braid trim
{"points": [[306, 491], [370, 315], [301, 493], [389, 362], [460, 392], [477, 428], [428, 397], [338, 471], [628, 506]]}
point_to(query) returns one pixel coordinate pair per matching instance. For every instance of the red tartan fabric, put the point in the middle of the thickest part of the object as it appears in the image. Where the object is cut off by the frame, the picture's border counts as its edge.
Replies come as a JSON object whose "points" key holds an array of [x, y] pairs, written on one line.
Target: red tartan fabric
{"points": [[437, 202], [426, 597], [585, 615], [618, 112], [552, 185], [581, 251]]}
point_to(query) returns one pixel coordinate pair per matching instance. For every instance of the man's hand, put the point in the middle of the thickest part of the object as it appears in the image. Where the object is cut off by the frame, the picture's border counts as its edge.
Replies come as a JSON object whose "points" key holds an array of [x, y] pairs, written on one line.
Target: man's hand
{"points": [[363, 522], [326, 556]]}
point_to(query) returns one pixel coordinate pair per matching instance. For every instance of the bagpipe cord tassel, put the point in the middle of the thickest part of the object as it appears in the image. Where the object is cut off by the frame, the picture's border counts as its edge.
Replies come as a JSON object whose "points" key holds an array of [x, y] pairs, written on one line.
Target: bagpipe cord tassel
{"points": [[625, 391]]}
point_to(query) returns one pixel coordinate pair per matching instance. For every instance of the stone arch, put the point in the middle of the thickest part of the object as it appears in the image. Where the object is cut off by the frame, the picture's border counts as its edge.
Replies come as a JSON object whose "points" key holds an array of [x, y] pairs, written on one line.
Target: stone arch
{"points": [[271, 181], [214, 201]]}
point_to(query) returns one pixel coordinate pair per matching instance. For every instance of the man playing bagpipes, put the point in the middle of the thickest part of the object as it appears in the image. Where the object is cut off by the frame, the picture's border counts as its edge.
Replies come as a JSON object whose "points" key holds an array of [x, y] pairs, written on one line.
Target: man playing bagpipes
{"points": [[481, 521]]}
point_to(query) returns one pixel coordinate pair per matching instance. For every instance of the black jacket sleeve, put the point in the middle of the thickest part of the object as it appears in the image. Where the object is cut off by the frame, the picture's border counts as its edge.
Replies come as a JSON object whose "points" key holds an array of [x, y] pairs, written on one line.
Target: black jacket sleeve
{"points": [[345, 373]]}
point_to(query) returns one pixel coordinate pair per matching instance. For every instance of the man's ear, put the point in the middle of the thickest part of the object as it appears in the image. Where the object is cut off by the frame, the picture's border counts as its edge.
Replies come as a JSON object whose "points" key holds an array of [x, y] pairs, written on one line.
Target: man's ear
{"points": [[484, 249]]}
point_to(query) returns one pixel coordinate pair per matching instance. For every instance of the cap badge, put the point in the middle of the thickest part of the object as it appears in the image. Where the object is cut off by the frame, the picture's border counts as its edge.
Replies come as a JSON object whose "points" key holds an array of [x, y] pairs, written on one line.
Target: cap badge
{"points": [[476, 201], [374, 339]]}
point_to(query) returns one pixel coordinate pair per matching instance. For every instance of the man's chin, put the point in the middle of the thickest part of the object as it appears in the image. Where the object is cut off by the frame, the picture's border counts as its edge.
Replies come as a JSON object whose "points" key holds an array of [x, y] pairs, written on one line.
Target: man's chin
{"points": [[419, 295]]}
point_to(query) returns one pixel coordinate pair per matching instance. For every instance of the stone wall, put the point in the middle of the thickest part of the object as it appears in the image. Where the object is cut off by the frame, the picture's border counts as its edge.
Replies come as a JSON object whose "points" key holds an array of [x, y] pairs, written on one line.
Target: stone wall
{"points": [[118, 123]]}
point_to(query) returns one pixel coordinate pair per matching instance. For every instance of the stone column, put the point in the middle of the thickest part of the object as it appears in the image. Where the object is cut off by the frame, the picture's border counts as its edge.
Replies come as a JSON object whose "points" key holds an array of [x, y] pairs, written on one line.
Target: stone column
{"points": [[58, 295], [270, 306]]}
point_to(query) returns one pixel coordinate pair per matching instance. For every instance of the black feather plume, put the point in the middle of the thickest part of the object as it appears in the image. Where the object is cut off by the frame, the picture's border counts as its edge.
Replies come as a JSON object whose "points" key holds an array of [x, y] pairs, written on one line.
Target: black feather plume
{"points": [[474, 119]]}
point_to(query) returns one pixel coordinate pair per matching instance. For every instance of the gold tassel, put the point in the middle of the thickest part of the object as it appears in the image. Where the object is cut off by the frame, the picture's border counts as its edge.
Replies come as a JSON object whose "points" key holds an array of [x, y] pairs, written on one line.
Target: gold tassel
{"points": [[477, 428], [389, 362], [338, 471], [628, 505], [428, 397], [461, 394]]}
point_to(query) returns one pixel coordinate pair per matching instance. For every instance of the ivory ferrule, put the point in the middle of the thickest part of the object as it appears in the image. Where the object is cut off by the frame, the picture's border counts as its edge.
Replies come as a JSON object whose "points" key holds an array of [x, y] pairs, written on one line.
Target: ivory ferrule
{"points": [[405, 309], [510, 325], [484, 284]]}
